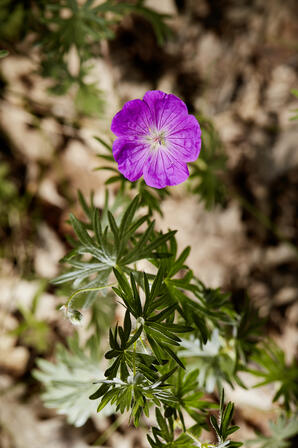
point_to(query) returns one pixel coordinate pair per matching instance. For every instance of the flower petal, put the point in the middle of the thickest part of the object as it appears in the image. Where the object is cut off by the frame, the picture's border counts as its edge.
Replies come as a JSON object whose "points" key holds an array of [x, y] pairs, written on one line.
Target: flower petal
{"points": [[132, 121], [166, 109], [131, 157], [163, 170], [185, 141]]}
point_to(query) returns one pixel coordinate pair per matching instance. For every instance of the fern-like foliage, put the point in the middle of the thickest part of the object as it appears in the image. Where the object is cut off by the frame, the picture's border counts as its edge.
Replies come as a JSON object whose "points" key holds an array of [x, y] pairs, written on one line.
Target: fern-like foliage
{"points": [[178, 338], [273, 368], [69, 382], [65, 26], [111, 245], [282, 431]]}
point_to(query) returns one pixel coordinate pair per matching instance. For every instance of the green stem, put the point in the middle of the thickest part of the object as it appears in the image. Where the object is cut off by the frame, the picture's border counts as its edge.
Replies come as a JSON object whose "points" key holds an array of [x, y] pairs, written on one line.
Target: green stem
{"points": [[144, 346], [134, 358], [111, 429], [79, 291]]}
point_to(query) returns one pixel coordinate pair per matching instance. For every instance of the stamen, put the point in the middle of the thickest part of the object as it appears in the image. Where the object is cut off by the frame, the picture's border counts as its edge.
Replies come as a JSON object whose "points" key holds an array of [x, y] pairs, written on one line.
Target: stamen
{"points": [[156, 139]]}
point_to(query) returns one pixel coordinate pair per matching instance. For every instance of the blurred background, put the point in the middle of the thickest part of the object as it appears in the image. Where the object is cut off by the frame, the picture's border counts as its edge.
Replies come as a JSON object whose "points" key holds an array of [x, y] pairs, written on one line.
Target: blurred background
{"points": [[235, 64]]}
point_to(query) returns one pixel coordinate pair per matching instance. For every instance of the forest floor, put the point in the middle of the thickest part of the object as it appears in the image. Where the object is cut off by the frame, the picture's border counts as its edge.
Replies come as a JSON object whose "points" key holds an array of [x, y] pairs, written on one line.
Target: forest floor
{"points": [[234, 62]]}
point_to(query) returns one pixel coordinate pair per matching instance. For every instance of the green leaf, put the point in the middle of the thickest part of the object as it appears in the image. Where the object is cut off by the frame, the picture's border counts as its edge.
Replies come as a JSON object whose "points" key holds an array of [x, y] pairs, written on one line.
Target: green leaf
{"points": [[127, 218], [173, 355], [111, 372], [104, 144], [274, 369], [127, 325], [80, 230], [89, 99], [208, 170], [136, 296], [114, 229], [3, 53], [136, 336]]}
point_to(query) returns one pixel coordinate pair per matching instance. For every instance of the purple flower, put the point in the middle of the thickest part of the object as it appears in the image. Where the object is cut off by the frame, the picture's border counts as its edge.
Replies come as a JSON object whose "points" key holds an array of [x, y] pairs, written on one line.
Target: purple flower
{"points": [[156, 137]]}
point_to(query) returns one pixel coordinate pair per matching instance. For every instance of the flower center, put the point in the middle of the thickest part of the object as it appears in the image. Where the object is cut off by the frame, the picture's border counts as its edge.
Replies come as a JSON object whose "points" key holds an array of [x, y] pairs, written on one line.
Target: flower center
{"points": [[156, 138], [159, 139]]}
